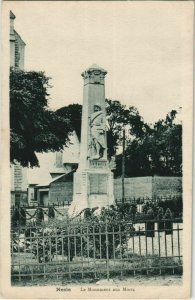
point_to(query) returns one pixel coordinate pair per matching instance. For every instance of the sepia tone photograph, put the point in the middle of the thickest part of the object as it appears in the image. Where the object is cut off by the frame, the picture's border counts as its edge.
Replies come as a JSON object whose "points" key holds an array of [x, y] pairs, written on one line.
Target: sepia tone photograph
{"points": [[97, 149]]}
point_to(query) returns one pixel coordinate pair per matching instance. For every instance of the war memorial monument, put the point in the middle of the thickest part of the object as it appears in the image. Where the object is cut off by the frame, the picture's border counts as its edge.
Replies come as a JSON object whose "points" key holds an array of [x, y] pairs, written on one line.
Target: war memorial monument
{"points": [[93, 180]]}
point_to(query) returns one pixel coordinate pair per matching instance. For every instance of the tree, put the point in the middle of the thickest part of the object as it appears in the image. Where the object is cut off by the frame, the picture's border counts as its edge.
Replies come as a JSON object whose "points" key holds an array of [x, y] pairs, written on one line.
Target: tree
{"points": [[33, 127], [117, 117], [73, 113], [154, 149], [167, 149], [151, 149]]}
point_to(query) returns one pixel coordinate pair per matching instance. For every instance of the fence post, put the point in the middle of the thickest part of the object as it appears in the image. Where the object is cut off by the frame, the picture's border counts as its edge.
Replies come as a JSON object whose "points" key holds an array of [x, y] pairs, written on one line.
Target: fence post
{"points": [[150, 225], [51, 213], [107, 252], [168, 222]]}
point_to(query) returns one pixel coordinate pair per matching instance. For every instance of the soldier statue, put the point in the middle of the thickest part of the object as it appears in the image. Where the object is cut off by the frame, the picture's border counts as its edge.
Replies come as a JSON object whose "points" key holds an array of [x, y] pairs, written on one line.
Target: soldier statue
{"points": [[97, 126]]}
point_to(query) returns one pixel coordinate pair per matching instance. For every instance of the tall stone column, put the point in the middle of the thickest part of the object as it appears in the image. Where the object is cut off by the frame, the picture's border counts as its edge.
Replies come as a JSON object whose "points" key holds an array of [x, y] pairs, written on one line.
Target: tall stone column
{"points": [[93, 181]]}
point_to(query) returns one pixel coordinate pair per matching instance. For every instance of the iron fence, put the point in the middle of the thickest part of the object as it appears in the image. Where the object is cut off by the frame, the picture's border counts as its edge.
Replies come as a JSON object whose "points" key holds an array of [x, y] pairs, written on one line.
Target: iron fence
{"points": [[35, 205], [78, 249], [24, 213], [142, 200]]}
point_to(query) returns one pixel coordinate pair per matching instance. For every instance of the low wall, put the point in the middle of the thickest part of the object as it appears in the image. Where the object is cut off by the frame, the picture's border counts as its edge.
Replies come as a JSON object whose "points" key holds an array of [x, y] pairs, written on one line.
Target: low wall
{"points": [[135, 187], [167, 186], [60, 192], [148, 187]]}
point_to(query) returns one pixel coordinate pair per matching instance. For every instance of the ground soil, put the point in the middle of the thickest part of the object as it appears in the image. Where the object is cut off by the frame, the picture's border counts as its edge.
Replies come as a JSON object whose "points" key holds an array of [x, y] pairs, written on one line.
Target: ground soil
{"points": [[166, 280]]}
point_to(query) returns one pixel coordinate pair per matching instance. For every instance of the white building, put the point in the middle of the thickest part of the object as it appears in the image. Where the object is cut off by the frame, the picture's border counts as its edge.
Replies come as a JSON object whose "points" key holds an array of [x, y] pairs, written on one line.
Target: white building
{"points": [[53, 166]]}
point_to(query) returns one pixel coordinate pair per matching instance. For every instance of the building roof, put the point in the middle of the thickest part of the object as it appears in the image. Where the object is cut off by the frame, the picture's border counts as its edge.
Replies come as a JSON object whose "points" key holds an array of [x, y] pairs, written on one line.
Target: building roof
{"points": [[47, 162], [46, 184]]}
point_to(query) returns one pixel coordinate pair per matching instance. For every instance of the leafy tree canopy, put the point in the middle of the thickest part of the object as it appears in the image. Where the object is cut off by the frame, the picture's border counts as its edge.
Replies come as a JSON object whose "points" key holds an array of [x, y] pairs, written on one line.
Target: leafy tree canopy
{"points": [[73, 113], [33, 127], [154, 149], [150, 149], [117, 116]]}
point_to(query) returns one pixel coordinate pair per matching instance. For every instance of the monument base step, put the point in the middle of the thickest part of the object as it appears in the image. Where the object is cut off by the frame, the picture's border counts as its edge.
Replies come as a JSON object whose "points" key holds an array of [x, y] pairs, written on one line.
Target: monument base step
{"points": [[80, 203]]}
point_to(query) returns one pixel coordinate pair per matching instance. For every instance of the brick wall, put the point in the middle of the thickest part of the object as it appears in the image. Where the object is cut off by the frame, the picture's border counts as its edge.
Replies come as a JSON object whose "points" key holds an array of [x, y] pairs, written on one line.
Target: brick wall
{"points": [[167, 186], [135, 187], [143, 187], [60, 192]]}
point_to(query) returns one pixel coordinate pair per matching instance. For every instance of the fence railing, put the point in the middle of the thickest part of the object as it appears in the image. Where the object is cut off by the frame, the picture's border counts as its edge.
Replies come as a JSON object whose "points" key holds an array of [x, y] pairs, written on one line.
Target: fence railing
{"points": [[36, 204], [80, 249], [138, 200], [142, 200]]}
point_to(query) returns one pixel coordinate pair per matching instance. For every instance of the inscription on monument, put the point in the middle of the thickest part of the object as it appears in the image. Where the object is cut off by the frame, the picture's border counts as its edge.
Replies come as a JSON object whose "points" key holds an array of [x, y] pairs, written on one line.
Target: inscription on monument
{"points": [[97, 164], [77, 185], [98, 183]]}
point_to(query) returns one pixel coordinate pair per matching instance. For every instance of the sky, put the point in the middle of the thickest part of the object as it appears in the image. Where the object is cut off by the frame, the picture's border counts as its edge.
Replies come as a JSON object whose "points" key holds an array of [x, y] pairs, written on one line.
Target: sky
{"points": [[145, 49]]}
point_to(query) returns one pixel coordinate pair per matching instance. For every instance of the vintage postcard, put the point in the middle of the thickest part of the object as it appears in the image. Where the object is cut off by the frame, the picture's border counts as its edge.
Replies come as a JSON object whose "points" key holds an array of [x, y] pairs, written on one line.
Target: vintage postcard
{"points": [[96, 169]]}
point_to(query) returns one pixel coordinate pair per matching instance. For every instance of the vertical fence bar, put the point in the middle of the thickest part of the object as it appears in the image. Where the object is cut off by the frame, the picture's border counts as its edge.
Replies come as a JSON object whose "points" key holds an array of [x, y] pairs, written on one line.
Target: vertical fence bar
{"points": [[140, 251], [165, 245], [133, 255], [88, 256], [63, 254], [69, 258], [24, 247], [152, 246], [159, 252], [100, 237], [43, 244], [94, 260], [113, 233], [75, 243], [107, 253], [146, 241], [37, 238], [126, 243], [56, 250], [178, 239], [172, 250], [19, 253], [82, 274], [32, 277], [121, 259], [50, 248]]}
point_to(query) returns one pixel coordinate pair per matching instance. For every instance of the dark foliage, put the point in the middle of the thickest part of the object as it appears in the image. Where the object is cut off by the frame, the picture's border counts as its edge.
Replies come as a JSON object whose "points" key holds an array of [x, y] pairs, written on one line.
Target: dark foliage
{"points": [[153, 150], [73, 113], [33, 127]]}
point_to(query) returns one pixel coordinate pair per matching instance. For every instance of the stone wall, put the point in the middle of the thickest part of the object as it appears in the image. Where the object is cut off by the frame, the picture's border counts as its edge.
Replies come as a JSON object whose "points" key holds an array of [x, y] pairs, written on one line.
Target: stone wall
{"points": [[135, 187], [143, 187], [60, 192], [167, 186]]}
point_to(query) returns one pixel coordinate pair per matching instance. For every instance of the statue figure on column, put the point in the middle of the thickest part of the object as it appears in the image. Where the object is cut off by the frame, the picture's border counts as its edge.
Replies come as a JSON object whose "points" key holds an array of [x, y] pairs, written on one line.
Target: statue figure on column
{"points": [[97, 125]]}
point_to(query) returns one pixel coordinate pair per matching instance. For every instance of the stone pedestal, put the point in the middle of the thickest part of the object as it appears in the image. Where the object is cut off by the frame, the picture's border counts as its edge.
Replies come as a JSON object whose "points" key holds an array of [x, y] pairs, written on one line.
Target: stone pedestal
{"points": [[92, 188], [93, 181]]}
